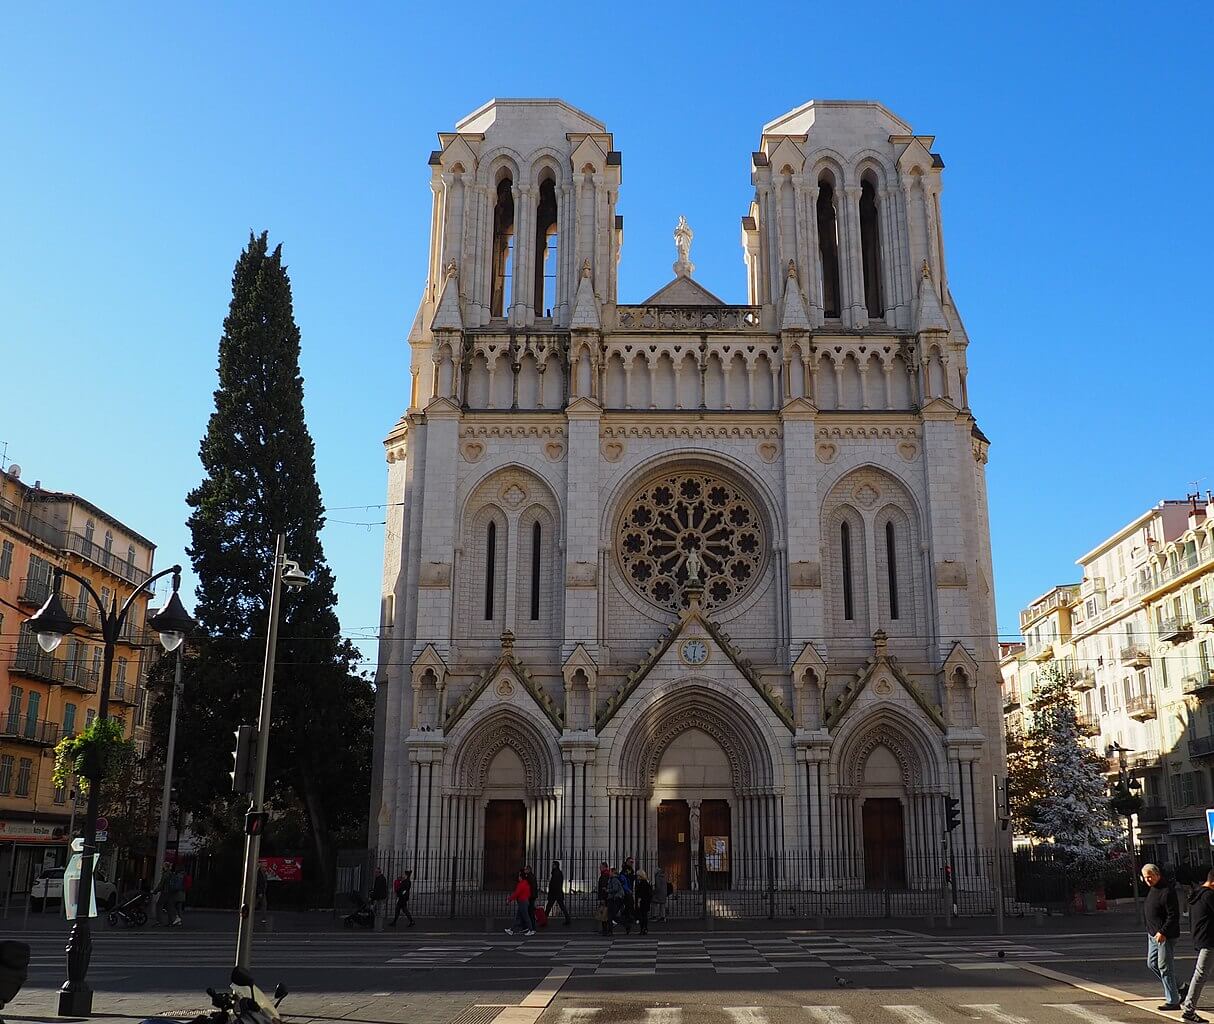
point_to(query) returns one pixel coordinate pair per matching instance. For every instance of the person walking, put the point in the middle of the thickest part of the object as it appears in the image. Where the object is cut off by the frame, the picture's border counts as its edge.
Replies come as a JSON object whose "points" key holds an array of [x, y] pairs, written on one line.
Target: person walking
{"points": [[163, 896], [404, 886], [261, 902], [1161, 911], [1201, 917], [601, 891], [534, 884], [176, 891], [615, 900], [379, 893], [627, 903], [520, 896], [556, 891], [643, 893], [661, 890]]}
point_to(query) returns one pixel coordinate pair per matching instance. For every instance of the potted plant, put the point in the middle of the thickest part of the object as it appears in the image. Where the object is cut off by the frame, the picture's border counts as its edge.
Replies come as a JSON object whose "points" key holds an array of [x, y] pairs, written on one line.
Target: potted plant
{"points": [[98, 753]]}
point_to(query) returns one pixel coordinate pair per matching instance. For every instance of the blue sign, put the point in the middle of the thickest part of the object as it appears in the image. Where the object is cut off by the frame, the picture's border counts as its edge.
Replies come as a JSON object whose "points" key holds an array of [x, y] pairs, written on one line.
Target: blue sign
{"points": [[1210, 823]]}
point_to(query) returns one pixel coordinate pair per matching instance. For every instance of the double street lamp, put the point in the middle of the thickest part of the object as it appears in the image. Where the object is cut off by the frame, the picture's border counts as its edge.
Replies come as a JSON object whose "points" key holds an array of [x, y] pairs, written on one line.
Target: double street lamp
{"points": [[52, 623]]}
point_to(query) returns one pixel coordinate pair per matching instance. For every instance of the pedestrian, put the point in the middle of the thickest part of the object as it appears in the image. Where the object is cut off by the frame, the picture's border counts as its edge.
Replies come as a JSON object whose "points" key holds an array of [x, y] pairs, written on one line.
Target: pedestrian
{"points": [[534, 884], [626, 904], [1201, 916], [615, 901], [643, 892], [164, 899], [403, 887], [520, 896], [261, 902], [660, 892], [176, 886], [1161, 912], [556, 891], [379, 893], [601, 891]]}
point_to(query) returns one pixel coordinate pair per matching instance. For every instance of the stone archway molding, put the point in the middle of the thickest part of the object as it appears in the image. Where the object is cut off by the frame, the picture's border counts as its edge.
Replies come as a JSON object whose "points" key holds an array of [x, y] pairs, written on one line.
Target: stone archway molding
{"points": [[486, 738]]}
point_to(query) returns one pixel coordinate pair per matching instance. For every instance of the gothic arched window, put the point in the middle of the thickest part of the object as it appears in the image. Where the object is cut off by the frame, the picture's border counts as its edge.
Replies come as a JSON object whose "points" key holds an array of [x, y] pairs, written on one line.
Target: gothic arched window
{"points": [[536, 539], [891, 564], [828, 248], [545, 249], [503, 246], [870, 248], [490, 568], [845, 562]]}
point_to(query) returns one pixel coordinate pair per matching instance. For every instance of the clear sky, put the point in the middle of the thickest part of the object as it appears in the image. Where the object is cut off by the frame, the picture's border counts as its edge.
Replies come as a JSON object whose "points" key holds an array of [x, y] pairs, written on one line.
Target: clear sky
{"points": [[141, 143]]}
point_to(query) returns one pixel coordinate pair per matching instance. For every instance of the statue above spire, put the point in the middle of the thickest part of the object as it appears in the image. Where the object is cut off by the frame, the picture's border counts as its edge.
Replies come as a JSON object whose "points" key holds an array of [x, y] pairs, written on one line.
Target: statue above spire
{"points": [[683, 235]]}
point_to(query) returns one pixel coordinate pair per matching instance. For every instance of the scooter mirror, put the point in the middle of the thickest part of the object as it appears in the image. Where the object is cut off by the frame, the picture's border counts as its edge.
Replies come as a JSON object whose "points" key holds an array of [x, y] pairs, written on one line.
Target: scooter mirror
{"points": [[241, 977]]}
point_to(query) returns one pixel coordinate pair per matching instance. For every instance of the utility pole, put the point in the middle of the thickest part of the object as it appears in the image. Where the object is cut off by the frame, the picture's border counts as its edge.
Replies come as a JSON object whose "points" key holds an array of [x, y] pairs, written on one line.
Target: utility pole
{"points": [[162, 839], [999, 823]]}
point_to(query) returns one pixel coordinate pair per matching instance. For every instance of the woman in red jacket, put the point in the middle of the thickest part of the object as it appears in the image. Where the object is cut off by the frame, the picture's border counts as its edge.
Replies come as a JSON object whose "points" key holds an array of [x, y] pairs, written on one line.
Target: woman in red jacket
{"points": [[520, 898]]}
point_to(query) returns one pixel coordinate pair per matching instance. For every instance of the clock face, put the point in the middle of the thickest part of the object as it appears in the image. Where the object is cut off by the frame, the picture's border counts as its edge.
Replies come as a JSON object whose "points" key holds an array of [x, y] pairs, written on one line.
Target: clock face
{"points": [[694, 652]]}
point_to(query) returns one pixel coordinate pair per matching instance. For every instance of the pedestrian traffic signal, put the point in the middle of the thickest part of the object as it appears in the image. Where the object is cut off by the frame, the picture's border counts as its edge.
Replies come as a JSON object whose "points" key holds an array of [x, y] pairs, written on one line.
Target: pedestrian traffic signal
{"points": [[243, 759], [952, 813], [255, 823]]}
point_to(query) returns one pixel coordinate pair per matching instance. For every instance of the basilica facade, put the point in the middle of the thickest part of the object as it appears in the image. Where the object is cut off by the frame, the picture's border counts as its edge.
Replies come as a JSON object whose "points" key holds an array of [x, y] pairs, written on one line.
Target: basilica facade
{"points": [[700, 583]]}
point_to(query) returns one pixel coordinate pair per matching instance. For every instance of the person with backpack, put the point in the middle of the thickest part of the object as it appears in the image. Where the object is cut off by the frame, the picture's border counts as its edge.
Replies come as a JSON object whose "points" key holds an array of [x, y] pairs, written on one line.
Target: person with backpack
{"points": [[615, 902], [1201, 917], [403, 886], [556, 891], [1161, 911]]}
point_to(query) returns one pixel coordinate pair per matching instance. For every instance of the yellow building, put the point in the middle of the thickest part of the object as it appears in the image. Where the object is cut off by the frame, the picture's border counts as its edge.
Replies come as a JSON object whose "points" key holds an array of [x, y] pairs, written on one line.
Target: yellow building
{"points": [[52, 695]]}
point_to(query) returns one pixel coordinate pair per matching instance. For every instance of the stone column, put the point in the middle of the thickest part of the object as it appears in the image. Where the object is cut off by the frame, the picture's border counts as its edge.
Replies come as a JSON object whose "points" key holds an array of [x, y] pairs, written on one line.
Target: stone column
{"points": [[854, 264], [805, 608], [438, 533], [695, 843], [582, 532]]}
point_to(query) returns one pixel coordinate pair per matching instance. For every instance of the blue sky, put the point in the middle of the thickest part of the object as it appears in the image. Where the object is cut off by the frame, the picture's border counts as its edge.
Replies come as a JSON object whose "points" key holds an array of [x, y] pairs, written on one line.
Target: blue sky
{"points": [[142, 143]]}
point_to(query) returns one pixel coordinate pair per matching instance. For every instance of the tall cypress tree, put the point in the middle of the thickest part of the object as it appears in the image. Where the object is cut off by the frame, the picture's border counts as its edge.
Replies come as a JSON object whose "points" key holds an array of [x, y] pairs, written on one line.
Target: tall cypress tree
{"points": [[260, 480]]}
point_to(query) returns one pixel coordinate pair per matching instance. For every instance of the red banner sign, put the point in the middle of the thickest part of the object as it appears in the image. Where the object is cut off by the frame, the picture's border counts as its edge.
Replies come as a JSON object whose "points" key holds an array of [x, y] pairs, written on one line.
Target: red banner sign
{"points": [[282, 869]]}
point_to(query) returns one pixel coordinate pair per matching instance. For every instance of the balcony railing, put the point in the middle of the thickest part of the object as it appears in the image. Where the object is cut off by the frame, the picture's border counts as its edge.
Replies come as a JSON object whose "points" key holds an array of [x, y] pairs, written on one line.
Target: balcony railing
{"points": [[1157, 578], [37, 664], [1011, 700], [1200, 684], [1136, 656], [1140, 708], [34, 591], [1151, 814], [1203, 612], [1089, 725], [1064, 597], [1201, 746], [1015, 737], [1174, 628], [690, 318], [1085, 680], [1041, 652], [124, 693], [111, 561], [24, 729]]}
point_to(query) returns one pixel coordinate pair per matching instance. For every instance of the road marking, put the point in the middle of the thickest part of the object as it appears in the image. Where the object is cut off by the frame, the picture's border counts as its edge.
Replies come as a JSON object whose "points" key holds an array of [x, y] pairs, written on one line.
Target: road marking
{"points": [[1082, 1012], [574, 1014], [913, 1014], [663, 1015], [994, 1011], [546, 990], [746, 1014], [829, 1015]]}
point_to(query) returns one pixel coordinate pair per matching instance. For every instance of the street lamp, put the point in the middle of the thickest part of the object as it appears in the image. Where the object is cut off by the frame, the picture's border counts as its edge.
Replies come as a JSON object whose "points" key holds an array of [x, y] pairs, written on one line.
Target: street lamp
{"points": [[51, 623], [1127, 802], [288, 573]]}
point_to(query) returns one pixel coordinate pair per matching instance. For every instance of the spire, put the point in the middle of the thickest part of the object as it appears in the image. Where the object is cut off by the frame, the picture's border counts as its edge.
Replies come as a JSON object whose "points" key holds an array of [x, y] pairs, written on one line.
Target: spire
{"points": [[585, 306], [795, 318], [447, 316], [683, 267], [928, 314]]}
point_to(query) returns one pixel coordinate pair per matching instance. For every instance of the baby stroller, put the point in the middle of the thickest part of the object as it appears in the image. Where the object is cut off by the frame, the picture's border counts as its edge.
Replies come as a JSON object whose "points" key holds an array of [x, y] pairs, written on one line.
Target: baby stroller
{"points": [[131, 912], [363, 913]]}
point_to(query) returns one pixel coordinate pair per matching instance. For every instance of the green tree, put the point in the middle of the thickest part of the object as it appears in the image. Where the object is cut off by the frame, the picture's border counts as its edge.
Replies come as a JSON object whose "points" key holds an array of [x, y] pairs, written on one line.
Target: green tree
{"points": [[260, 480]]}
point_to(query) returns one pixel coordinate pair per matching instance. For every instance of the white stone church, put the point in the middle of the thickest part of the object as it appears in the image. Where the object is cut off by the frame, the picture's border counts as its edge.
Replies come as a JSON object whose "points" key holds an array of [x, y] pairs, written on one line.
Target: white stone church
{"points": [[693, 582]]}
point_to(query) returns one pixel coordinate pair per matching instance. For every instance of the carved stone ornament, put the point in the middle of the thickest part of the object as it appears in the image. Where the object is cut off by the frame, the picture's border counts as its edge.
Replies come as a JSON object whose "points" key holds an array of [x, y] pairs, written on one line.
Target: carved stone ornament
{"points": [[613, 451], [826, 451], [805, 574], [514, 495], [434, 574], [866, 495], [908, 450], [472, 451], [951, 574], [505, 688], [581, 574], [554, 451], [684, 514], [768, 451]]}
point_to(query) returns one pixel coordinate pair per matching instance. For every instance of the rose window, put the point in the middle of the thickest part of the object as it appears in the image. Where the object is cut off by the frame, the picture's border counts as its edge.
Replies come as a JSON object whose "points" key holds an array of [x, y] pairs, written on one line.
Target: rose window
{"points": [[691, 521]]}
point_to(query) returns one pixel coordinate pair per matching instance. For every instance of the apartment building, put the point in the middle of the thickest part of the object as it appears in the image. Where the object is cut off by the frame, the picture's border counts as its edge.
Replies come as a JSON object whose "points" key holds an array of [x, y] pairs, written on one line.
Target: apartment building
{"points": [[1137, 632], [53, 695]]}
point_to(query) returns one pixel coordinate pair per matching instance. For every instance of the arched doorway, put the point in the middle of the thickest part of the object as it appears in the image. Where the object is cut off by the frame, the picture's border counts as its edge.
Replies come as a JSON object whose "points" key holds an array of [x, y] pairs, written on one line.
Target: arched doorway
{"points": [[882, 823], [693, 790], [505, 821]]}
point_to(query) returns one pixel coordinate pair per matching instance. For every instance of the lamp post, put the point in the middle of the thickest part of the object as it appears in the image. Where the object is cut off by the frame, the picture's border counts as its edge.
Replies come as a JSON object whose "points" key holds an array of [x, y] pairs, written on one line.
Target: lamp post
{"points": [[52, 623], [162, 837], [1127, 802]]}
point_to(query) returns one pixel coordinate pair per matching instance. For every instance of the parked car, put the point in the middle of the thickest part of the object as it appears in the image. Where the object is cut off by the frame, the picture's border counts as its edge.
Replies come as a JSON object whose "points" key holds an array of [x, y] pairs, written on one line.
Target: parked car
{"points": [[49, 886]]}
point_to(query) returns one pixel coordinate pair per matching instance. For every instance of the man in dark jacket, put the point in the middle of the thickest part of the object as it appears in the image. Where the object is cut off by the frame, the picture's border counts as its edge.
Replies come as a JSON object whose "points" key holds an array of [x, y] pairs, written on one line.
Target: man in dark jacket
{"points": [[556, 890], [1162, 914], [1201, 914]]}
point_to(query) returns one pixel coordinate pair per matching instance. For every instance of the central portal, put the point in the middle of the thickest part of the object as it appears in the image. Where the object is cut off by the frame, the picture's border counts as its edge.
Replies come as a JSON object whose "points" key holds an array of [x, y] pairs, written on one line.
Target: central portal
{"points": [[505, 843], [674, 843], [884, 849]]}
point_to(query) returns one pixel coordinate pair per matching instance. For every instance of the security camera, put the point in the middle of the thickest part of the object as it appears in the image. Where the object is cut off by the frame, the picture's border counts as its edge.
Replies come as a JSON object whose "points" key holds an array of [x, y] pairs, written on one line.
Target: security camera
{"points": [[292, 575]]}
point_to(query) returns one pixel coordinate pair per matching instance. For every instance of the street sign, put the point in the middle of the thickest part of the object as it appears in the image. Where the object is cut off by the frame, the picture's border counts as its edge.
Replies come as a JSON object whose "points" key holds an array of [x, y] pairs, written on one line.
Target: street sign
{"points": [[71, 891], [102, 837], [103, 823], [1210, 824]]}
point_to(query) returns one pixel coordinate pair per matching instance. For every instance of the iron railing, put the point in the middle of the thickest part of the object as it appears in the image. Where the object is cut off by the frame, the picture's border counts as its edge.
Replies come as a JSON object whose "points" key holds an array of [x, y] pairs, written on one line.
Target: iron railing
{"points": [[111, 561], [16, 726]]}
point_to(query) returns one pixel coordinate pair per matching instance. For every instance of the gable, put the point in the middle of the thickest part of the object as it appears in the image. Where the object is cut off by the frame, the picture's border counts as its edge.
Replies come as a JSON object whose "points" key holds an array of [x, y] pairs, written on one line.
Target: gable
{"points": [[505, 679], [881, 682], [683, 291]]}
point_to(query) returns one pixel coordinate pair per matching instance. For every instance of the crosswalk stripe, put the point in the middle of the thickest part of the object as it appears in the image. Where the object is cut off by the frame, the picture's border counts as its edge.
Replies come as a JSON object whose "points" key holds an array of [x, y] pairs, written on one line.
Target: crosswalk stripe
{"points": [[829, 1015], [913, 1014], [1085, 1013], [994, 1011], [663, 1015], [578, 1014], [746, 1014]]}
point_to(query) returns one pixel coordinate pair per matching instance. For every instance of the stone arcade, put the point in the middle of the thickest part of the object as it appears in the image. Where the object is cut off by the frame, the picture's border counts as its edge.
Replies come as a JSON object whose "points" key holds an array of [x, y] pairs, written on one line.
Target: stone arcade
{"points": [[702, 583]]}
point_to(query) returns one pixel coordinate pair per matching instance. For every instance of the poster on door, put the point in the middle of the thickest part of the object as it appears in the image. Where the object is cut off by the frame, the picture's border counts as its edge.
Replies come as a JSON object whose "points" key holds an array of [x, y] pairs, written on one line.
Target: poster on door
{"points": [[282, 869], [716, 853]]}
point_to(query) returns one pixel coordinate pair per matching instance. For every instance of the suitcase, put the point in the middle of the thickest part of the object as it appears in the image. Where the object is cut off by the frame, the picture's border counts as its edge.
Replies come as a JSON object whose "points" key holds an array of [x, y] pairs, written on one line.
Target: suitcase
{"points": [[541, 917]]}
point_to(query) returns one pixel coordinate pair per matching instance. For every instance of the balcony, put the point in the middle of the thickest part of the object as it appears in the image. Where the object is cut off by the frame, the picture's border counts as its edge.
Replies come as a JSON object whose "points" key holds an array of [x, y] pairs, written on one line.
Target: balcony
{"points": [[1061, 597], [110, 561], [1141, 709], [22, 729], [1152, 814], [1174, 629], [1203, 612], [697, 319], [34, 591], [36, 664], [1200, 684], [1085, 680], [1201, 746], [1011, 700], [1143, 759], [124, 693], [1135, 656], [1041, 652], [1089, 725]]}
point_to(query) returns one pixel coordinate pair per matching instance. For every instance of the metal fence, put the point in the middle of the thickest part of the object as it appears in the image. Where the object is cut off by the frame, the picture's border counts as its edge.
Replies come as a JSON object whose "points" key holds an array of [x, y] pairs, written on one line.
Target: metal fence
{"points": [[791, 884]]}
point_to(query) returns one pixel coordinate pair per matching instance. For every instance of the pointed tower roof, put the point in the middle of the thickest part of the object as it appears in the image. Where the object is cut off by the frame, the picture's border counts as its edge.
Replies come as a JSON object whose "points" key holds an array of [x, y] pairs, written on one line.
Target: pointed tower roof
{"points": [[585, 305], [795, 318], [928, 314], [447, 316]]}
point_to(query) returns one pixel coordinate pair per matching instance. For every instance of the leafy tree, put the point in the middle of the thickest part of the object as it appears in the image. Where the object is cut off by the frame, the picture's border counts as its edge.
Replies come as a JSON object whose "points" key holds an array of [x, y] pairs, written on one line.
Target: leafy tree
{"points": [[260, 480], [1058, 787]]}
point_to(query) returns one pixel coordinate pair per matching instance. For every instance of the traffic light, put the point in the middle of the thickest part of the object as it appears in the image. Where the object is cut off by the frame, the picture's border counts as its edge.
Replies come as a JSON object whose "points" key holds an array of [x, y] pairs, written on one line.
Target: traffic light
{"points": [[255, 823], [952, 813], [243, 759]]}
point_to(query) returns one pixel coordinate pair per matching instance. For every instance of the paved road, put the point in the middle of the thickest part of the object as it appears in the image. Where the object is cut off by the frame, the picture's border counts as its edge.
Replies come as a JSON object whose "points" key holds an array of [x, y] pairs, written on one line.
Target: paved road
{"points": [[887, 975]]}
